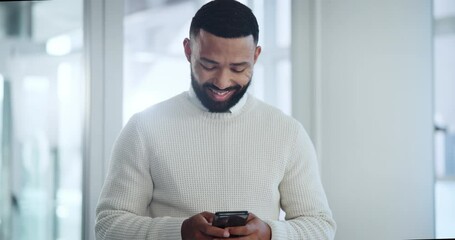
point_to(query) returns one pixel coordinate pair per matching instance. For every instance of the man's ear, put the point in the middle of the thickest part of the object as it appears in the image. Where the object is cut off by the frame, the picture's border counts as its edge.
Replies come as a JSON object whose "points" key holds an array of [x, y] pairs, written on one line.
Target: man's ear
{"points": [[187, 48], [257, 52]]}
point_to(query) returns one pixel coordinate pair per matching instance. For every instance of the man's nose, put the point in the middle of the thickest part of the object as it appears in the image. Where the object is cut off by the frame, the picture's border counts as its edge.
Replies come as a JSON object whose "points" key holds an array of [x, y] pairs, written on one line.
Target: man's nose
{"points": [[223, 79]]}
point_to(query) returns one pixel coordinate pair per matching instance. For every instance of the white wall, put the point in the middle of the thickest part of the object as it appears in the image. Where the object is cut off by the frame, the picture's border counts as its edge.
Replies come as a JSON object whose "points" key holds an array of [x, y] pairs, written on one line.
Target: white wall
{"points": [[372, 122]]}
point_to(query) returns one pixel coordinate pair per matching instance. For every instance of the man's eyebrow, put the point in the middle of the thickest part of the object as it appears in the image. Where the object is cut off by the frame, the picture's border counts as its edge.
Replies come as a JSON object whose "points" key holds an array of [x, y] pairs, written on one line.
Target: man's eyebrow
{"points": [[208, 60], [240, 64]]}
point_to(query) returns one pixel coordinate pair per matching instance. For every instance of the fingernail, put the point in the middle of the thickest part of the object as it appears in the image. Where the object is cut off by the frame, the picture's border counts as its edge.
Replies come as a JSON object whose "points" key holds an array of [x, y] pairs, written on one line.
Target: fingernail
{"points": [[226, 234]]}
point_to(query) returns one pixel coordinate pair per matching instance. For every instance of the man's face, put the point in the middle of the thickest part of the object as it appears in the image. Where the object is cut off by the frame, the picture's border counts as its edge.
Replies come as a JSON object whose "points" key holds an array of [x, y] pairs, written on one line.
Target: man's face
{"points": [[221, 68]]}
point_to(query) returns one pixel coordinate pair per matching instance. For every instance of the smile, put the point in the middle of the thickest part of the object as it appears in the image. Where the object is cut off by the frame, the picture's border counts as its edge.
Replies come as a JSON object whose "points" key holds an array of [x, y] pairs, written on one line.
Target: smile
{"points": [[220, 92], [220, 95]]}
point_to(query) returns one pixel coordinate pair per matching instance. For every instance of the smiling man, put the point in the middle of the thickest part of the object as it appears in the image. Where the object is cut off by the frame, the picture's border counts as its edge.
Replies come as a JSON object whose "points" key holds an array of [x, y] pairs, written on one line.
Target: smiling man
{"points": [[214, 149], [222, 53], [221, 68]]}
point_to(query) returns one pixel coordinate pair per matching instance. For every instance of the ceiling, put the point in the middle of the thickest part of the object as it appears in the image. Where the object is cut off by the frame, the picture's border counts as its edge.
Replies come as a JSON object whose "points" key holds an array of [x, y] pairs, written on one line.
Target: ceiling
{"points": [[39, 20]]}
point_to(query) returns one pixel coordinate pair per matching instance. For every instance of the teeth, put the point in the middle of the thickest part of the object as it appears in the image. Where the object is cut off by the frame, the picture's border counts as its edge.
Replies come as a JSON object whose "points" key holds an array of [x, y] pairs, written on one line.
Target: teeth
{"points": [[219, 92]]}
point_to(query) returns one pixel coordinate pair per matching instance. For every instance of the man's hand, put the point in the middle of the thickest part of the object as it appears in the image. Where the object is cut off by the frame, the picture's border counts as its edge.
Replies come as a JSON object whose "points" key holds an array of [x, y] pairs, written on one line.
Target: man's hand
{"points": [[200, 226], [255, 229]]}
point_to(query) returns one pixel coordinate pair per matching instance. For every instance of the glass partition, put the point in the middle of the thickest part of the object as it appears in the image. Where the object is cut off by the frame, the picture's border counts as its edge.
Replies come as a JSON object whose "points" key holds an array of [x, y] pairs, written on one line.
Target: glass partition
{"points": [[42, 106], [444, 118]]}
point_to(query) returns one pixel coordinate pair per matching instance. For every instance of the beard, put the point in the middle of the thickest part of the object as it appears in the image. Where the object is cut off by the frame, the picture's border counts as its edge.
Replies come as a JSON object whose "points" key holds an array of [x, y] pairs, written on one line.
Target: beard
{"points": [[217, 106]]}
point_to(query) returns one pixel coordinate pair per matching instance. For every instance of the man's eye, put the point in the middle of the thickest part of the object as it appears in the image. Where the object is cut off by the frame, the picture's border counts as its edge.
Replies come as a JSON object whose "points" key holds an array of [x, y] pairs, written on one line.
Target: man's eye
{"points": [[237, 70], [208, 68]]}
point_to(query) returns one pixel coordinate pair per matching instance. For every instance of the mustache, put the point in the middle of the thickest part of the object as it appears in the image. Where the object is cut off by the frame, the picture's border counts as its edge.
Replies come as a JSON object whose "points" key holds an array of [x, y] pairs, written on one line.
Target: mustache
{"points": [[212, 86]]}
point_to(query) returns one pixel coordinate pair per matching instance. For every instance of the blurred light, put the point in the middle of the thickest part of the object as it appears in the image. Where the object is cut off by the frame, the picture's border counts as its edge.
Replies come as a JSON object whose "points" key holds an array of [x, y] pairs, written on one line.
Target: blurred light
{"points": [[36, 84], [59, 46], [144, 57], [62, 212], [142, 100], [283, 23], [64, 73]]}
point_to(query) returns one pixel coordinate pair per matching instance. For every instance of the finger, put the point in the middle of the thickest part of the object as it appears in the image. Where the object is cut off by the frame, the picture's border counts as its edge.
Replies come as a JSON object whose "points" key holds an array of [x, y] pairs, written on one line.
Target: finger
{"points": [[244, 230], [251, 216], [241, 231], [250, 226], [204, 226], [215, 231], [238, 238], [195, 227], [208, 216]]}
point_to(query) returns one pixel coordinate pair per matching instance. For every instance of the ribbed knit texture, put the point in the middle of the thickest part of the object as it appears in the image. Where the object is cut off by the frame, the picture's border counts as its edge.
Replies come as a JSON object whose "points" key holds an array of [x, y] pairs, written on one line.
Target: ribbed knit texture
{"points": [[174, 160]]}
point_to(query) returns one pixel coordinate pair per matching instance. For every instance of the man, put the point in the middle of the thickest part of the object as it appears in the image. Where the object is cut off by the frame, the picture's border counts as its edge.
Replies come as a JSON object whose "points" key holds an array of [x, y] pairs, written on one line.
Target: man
{"points": [[214, 148]]}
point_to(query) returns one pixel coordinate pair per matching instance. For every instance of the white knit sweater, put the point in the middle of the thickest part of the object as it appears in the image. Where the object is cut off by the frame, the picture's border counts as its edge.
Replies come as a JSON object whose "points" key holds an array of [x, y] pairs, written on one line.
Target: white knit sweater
{"points": [[175, 160]]}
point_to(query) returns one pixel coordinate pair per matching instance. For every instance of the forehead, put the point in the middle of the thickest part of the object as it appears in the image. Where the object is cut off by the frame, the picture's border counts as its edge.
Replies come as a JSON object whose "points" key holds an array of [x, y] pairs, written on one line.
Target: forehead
{"points": [[208, 44]]}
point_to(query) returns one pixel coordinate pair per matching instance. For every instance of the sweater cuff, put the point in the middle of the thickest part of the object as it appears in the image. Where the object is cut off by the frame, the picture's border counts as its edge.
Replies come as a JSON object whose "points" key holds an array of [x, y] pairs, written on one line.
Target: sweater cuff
{"points": [[278, 228], [172, 228]]}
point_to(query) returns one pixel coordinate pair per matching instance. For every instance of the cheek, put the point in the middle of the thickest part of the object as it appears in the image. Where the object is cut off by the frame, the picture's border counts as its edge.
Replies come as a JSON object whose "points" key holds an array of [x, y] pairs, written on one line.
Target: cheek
{"points": [[200, 75], [246, 77]]}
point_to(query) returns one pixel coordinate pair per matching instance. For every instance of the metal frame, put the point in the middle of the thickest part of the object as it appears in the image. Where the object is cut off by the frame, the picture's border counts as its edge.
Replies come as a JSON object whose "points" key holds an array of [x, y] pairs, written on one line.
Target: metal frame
{"points": [[103, 49]]}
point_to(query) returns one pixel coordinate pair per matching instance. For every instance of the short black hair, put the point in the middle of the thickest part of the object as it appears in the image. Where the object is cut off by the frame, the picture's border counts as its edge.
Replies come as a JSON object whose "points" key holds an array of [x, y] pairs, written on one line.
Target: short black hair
{"points": [[226, 19]]}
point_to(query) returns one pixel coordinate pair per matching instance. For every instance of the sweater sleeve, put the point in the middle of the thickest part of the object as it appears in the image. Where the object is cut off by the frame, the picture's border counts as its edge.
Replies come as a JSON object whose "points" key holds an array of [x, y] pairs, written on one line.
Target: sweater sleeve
{"points": [[303, 199], [122, 211]]}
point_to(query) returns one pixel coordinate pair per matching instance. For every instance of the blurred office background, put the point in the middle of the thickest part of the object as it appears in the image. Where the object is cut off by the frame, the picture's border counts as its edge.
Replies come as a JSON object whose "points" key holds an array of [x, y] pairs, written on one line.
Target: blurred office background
{"points": [[372, 81]]}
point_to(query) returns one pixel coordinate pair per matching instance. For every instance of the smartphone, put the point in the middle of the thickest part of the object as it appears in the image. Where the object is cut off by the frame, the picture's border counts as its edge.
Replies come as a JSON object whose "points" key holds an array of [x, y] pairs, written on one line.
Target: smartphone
{"points": [[230, 219]]}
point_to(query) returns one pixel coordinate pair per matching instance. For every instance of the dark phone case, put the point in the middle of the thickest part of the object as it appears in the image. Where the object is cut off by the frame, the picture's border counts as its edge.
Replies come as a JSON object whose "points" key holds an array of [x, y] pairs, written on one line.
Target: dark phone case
{"points": [[230, 219]]}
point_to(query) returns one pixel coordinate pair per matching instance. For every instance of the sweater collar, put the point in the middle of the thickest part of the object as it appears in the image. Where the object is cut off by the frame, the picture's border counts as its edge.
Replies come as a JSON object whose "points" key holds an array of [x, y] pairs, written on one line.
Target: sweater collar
{"points": [[234, 109]]}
